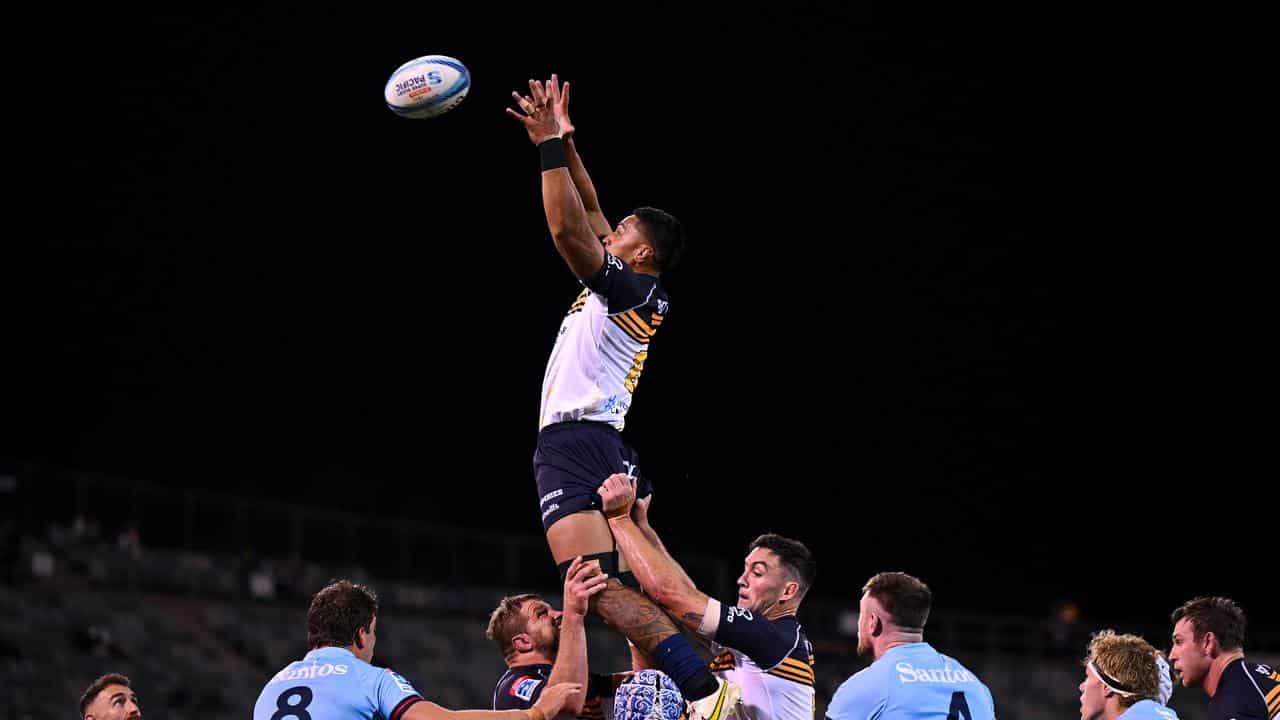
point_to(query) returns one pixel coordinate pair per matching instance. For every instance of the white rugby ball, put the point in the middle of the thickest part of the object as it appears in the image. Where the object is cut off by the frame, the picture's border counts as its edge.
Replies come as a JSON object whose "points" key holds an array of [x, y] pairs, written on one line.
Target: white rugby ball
{"points": [[427, 86]]}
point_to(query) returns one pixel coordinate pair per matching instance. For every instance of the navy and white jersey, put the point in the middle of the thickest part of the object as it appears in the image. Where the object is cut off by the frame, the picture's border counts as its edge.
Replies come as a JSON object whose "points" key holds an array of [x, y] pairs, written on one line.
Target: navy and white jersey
{"points": [[1247, 691], [521, 686], [771, 660], [602, 346], [1148, 710], [912, 682], [333, 684]]}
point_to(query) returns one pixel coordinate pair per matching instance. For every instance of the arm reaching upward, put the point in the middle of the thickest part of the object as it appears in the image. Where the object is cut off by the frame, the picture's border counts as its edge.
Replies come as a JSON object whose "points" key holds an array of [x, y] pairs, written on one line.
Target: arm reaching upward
{"points": [[581, 180], [566, 216]]}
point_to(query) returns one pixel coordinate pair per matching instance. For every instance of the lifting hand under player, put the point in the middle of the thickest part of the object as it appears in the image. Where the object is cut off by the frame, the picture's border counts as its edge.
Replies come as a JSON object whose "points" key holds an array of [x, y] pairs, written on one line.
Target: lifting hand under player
{"points": [[618, 493]]}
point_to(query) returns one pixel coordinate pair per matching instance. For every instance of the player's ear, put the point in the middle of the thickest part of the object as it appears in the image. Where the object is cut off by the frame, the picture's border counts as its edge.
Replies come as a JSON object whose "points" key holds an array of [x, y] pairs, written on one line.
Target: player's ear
{"points": [[1210, 644], [644, 253], [522, 642], [789, 591]]}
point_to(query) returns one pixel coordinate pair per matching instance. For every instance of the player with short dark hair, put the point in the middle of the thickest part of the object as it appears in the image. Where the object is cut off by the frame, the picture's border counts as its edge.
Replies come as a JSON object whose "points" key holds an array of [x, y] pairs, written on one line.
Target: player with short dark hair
{"points": [[1208, 652], [336, 681], [758, 643], [908, 678], [110, 698], [599, 354]]}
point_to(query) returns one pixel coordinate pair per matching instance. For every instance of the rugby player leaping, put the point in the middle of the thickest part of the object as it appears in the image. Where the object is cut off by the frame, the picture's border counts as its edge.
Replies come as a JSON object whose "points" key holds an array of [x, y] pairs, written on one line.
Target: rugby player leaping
{"points": [[594, 366]]}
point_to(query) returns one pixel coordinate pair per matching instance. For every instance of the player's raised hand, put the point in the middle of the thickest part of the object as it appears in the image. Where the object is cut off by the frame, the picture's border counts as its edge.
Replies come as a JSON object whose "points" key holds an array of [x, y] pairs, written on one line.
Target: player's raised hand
{"points": [[536, 115], [582, 580], [618, 493], [555, 697], [559, 96]]}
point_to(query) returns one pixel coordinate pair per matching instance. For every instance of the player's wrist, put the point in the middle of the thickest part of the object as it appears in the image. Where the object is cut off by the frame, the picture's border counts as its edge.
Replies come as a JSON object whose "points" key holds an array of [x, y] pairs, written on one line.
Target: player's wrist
{"points": [[536, 713], [551, 153]]}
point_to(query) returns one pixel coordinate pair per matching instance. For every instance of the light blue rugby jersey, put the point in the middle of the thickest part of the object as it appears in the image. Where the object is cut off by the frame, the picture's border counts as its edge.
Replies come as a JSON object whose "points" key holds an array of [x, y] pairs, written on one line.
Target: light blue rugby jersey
{"points": [[913, 682], [332, 684], [1148, 710]]}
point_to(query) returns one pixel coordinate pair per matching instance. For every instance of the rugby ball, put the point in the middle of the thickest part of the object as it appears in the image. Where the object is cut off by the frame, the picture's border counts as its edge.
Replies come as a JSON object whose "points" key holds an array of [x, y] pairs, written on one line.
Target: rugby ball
{"points": [[427, 86]]}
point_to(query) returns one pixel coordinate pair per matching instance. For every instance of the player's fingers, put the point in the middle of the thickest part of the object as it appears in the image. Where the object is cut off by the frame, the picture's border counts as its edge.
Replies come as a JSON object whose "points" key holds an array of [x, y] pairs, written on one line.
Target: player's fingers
{"points": [[539, 96], [524, 119], [523, 101], [574, 567], [564, 96]]}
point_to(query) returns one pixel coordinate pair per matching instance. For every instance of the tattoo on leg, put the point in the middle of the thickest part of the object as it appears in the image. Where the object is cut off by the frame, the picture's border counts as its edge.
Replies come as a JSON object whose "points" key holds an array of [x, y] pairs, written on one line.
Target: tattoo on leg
{"points": [[633, 614]]}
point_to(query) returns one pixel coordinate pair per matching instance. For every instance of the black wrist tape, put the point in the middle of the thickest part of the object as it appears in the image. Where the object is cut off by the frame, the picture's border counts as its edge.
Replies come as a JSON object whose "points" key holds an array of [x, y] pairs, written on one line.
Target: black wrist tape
{"points": [[551, 152]]}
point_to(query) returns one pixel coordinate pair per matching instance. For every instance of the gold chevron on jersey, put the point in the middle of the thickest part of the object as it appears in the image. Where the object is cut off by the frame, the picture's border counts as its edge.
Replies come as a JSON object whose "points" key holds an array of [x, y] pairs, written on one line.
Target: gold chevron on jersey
{"points": [[795, 670], [579, 302], [721, 662], [655, 319], [633, 326]]}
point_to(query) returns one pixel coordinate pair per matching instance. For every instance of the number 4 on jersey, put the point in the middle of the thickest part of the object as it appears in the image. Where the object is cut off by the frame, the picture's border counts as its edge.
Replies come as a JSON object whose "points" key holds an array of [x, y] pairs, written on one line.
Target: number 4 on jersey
{"points": [[959, 708]]}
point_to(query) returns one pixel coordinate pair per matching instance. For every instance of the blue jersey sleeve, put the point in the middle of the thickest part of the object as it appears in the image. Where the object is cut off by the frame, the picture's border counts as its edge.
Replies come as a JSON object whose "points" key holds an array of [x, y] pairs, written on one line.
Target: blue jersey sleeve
{"points": [[766, 642], [622, 287], [394, 695], [860, 697]]}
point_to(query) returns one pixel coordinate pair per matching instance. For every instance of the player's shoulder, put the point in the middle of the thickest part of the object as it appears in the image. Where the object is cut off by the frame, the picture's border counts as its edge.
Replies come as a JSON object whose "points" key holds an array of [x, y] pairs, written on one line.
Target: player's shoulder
{"points": [[866, 684], [1245, 687], [520, 682]]}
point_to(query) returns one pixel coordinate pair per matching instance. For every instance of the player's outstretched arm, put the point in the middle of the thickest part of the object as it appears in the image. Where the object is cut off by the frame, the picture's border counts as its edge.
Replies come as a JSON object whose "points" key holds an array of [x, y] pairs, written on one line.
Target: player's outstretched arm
{"points": [[580, 582], [581, 180], [566, 217], [640, 516], [552, 700], [661, 577]]}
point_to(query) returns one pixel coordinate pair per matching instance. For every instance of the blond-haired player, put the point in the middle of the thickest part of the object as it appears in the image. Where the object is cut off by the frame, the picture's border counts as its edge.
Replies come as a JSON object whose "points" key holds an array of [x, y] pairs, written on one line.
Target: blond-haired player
{"points": [[1124, 678]]}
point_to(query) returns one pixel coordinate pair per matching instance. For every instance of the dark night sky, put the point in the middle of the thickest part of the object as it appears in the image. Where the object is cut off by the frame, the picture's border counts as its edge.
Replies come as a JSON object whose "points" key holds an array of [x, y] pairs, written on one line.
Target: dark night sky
{"points": [[916, 326]]}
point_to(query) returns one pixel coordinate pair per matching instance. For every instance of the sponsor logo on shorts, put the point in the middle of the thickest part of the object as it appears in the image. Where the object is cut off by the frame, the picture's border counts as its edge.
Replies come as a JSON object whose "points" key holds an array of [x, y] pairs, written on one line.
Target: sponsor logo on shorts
{"points": [[550, 509], [523, 687], [551, 495]]}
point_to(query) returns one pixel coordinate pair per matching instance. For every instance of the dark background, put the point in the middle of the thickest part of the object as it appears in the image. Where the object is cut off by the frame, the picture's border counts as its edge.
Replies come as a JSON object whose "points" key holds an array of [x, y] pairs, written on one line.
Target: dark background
{"points": [[936, 314]]}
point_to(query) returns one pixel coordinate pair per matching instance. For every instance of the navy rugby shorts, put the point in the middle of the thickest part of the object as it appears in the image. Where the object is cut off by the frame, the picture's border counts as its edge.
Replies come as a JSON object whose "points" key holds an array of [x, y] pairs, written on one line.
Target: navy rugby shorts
{"points": [[573, 459]]}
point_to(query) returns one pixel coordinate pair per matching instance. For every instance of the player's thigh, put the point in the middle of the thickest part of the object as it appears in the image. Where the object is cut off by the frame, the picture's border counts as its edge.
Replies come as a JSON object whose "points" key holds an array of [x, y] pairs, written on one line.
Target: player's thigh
{"points": [[580, 533]]}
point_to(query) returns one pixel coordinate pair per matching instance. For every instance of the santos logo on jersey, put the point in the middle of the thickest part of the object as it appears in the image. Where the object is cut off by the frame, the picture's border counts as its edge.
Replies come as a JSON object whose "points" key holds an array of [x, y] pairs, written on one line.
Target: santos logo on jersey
{"points": [[907, 674]]}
